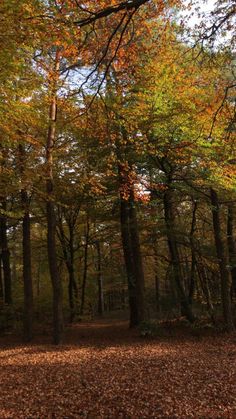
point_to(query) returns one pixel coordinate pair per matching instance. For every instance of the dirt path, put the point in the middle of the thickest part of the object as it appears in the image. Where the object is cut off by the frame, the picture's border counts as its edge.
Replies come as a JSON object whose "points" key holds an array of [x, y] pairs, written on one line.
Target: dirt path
{"points": [[104, 371]]}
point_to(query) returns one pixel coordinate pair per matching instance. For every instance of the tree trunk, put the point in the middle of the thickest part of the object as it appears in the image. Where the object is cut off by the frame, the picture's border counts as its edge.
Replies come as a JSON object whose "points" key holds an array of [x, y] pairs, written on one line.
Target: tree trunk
{"points": [[1, 282], [231, 248], [72, 290], [67, 244], [174, 254], [137, 259], [128, 257], [157, 281], [26, 246], [222, 261], [204, 283], [51, 216], [99, 280], [133, 261], [5, 258], [193, 256], [27, 274], [83, 287]]}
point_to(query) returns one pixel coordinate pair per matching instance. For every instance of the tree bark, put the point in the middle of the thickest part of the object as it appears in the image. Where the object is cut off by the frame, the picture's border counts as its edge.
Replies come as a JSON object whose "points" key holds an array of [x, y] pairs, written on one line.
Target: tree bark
{"points": [[67, 244], [137, 259], [83, 287], [51, 216], [99, 280], [27, 275], [157, 281], [5, 257], [133, 261], [1, 282], [26, 246], [73, 289], [174, 254], [128, 257], [204, 283], [193, 256], [222, 261], [231, 247]]}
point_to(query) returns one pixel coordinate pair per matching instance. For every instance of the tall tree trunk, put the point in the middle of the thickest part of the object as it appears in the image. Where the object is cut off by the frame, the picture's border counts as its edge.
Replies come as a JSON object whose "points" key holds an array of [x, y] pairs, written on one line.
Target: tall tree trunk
{"points": [[84, 280], [51, 216], [222, 261], [157, 281], [128, 257], [133, 261], [72, 287], [131, 246], [137, 259], [27, 275], [7, 277], [1, 281], [99, 280], [231, 247], [26, 246], [67, 244], [14, 275], [174, 254], [72, 291], [204, 283], [5, 257], [193, 256]]}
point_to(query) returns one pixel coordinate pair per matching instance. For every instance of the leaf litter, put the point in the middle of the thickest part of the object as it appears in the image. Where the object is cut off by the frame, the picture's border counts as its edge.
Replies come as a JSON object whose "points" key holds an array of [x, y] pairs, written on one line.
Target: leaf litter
{"points": [[106, 371]]}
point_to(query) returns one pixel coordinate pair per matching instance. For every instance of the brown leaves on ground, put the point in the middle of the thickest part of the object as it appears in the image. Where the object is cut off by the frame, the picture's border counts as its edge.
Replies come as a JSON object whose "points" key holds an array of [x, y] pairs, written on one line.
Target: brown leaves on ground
{"points": [[108, 372]]}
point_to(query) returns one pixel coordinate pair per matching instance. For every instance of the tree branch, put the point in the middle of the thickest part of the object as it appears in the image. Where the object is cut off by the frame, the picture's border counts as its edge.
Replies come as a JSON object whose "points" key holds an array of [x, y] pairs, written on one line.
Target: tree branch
{"points": [[125, 5]]}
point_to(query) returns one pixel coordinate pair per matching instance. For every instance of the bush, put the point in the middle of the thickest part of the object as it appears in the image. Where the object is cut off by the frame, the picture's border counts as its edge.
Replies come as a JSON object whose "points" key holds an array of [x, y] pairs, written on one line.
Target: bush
{"points": [[149, 328]]}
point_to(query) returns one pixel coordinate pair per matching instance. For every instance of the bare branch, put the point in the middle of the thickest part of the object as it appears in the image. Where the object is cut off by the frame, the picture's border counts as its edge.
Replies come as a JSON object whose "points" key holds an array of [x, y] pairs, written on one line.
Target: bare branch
{"points": [[125, 5]]}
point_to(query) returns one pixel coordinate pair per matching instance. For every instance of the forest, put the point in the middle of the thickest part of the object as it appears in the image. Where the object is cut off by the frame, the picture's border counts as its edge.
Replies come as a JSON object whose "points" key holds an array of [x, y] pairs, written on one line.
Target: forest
{"points": [[117, 206]]}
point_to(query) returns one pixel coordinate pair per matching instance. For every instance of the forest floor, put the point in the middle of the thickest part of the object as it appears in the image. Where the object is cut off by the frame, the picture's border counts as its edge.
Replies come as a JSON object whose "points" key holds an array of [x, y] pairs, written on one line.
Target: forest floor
{"points": [[106, 371]]}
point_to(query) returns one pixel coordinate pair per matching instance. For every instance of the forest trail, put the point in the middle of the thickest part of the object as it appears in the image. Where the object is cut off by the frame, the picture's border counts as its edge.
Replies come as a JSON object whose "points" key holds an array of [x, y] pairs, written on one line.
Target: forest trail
{"points": [[106, 371]]}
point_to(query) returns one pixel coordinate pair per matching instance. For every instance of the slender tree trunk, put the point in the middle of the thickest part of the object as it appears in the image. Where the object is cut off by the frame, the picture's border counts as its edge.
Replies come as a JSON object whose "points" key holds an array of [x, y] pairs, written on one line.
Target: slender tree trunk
{"points": [[99, 280], [51, 216], [174, 254], [84, 280], [26, 246], [69, 259], [192, 277], [157, 281], [72, 287], [1, 281], [14, 260], [67, 244], [39, 261], [5, 258], [27, 276], [137, 259], [128, 257], [231, 247], [193, 256], [70, 269], [204, 283], [222, 261], [7, 277]]}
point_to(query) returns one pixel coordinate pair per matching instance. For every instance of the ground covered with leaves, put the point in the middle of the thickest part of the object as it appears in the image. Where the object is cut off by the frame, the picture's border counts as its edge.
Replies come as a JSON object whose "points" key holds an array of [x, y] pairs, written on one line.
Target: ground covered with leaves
{"points": [[106, 371]]}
